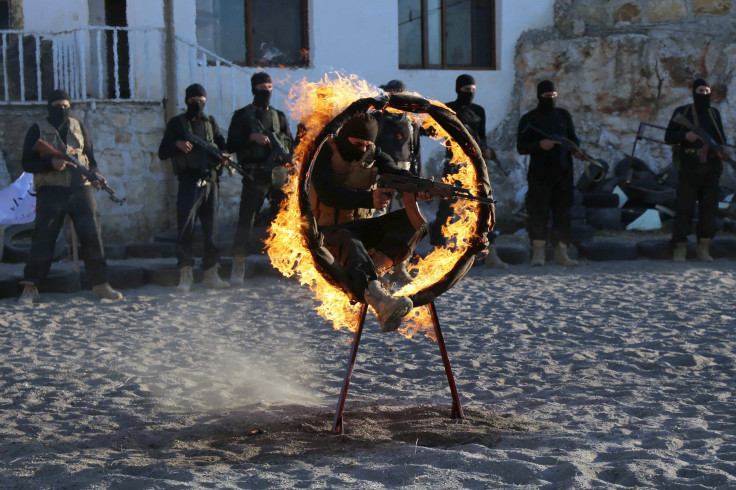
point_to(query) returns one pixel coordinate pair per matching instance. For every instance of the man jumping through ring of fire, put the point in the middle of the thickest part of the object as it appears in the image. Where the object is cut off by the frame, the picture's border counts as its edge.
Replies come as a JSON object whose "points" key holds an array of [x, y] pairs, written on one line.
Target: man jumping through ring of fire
{"points": [[343, 196]]}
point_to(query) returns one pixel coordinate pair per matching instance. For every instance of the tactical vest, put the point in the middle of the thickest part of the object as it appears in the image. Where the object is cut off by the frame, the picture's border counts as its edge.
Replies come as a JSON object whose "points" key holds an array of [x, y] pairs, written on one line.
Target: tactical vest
{"points": [[254, 153], [192, 160], [681, 152], [74, 146], [355, 175]]}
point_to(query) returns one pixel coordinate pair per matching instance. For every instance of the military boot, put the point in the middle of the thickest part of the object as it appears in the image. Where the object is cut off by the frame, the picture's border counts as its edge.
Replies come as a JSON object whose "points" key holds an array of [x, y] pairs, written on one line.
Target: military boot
{"points": [[389, 309], [538, 252], [240, 266], [561, 256], [186, 279], [29, 294], [212, 279], [493, 261], [680, 252], [702, 250], [105, 291], [400, 275]]}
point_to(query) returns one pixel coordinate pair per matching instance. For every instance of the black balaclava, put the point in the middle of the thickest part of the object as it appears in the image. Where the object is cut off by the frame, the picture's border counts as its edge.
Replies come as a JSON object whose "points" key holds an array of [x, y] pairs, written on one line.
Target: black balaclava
{"points": [[363, 126], [546, 105], [393, 87], [58, 115], [702, 101], [464, 98], [195, 109], [261, 98]]}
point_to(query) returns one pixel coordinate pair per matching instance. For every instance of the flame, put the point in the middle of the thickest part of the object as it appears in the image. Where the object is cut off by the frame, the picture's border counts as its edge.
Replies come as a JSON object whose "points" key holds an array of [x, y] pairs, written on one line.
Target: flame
{"points": [[315, 104]]}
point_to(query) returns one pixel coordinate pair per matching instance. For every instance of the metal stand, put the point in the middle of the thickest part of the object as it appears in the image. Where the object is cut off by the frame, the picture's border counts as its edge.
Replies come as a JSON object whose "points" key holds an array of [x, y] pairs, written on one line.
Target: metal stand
{"points": [[457, 409]]}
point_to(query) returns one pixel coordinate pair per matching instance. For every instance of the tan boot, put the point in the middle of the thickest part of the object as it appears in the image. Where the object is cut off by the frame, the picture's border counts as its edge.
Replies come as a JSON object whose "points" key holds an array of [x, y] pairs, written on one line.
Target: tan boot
{"points": [[702, 250], [400, 275], [493, 261], [212, 279], [680, 252], [29, 294], [538, 252], [240, 265], [105, 291], [561, 256], [186, 279], [389, 309]]}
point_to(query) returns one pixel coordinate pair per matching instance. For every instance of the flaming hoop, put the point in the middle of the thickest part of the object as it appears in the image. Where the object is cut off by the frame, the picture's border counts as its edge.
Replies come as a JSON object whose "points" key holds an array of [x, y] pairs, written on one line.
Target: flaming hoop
{"points": [[294, 243]]}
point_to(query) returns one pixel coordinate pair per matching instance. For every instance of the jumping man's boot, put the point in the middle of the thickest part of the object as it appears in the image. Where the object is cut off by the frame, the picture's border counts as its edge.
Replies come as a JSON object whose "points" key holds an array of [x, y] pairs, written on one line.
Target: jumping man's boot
{"points": [[185, 280], [212, 279], [538, 252], [29, 294], [389, 309], [240, 265], [680, 252], [493, 261], [561, 256], [105, 291], [702, 251]]}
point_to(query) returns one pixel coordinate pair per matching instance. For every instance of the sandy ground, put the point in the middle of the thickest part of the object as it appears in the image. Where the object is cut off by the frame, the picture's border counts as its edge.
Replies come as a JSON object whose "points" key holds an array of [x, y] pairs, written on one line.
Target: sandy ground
{"points": [[616, 374]]}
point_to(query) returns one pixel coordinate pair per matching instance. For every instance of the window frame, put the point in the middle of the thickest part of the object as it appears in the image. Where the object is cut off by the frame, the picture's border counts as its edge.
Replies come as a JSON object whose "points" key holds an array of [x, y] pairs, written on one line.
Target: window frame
{"points": [[443, 55]]}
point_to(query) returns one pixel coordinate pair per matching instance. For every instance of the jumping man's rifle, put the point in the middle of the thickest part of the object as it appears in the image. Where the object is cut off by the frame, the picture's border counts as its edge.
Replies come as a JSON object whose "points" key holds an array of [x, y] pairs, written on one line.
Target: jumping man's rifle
{"points": [[44, 148], [707, 139], [215, 154], [403, 183]]}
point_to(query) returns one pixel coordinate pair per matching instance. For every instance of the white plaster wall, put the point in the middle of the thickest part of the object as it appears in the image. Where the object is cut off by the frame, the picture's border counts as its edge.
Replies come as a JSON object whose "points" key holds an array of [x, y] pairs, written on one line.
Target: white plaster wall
{"points": [[51, 15]]}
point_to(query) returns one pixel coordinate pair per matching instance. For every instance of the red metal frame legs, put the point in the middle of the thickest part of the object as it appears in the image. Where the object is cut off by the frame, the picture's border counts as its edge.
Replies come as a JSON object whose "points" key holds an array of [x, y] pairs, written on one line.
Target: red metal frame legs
{"points": [[457, 409]]}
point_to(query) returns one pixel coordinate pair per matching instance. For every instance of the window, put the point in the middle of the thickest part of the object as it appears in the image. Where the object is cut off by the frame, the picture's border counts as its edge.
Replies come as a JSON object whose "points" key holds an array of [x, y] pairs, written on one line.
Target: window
{"points": [[447, 34], [255, 32], [4, 15]]}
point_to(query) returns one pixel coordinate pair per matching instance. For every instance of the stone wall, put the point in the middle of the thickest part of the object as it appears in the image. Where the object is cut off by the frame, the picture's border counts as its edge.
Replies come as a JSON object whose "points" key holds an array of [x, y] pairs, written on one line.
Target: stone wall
{"points": [[126, 139], [610, 80]]}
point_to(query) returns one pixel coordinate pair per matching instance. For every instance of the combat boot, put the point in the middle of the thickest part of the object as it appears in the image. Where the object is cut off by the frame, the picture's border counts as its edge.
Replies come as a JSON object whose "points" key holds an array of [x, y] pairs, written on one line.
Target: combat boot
{"points": [[186, 279], [702, 250], [493, 261], [400, 275], [212, 279], [680, 252], [240, 266], [29, 294], [561, 256], [105, 291], [389, 309], [538, 252]]}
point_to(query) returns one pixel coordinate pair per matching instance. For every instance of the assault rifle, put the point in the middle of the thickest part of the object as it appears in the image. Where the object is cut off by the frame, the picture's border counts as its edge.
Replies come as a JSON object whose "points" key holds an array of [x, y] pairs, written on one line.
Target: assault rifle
{"points": [[44, 148], [215, 154], [707, 139], [569, 145], [279, 155], [402, 183], [484, 148]]}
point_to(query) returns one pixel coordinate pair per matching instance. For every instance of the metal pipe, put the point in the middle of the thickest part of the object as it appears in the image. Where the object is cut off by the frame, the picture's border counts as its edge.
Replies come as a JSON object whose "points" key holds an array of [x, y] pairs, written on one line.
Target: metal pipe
{"points": [[457, 409], [337, 425]]}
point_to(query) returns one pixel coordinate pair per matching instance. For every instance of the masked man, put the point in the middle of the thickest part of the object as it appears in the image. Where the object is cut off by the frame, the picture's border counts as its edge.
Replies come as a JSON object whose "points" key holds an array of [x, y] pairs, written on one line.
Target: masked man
{"points": [[62, 191], [343, 197], [250, 135], [473, 117], [699, 172], [198, 192], [550, 175]]}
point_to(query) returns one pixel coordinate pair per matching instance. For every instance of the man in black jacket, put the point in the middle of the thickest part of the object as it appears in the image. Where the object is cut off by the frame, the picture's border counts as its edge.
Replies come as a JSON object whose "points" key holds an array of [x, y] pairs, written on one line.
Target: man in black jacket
{"points": [[550, 175], [198, 192], [343, 197], [699, 171], [248, 137], [62, 191]]}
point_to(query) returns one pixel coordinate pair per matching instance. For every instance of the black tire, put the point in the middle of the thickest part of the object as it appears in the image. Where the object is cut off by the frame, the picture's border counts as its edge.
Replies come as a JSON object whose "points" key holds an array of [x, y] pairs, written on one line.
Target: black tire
{"points": [[509, 226], [512, 254], [582, 233], [151, 250], [600, 200], [115, 251], [168, 274], [60, 281], [17, 244], [729, 225], [119, 277], [660, 249], [630, 214], [604, 218], [577, 211], [600, 251], [10, 287], [723, 247]]}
